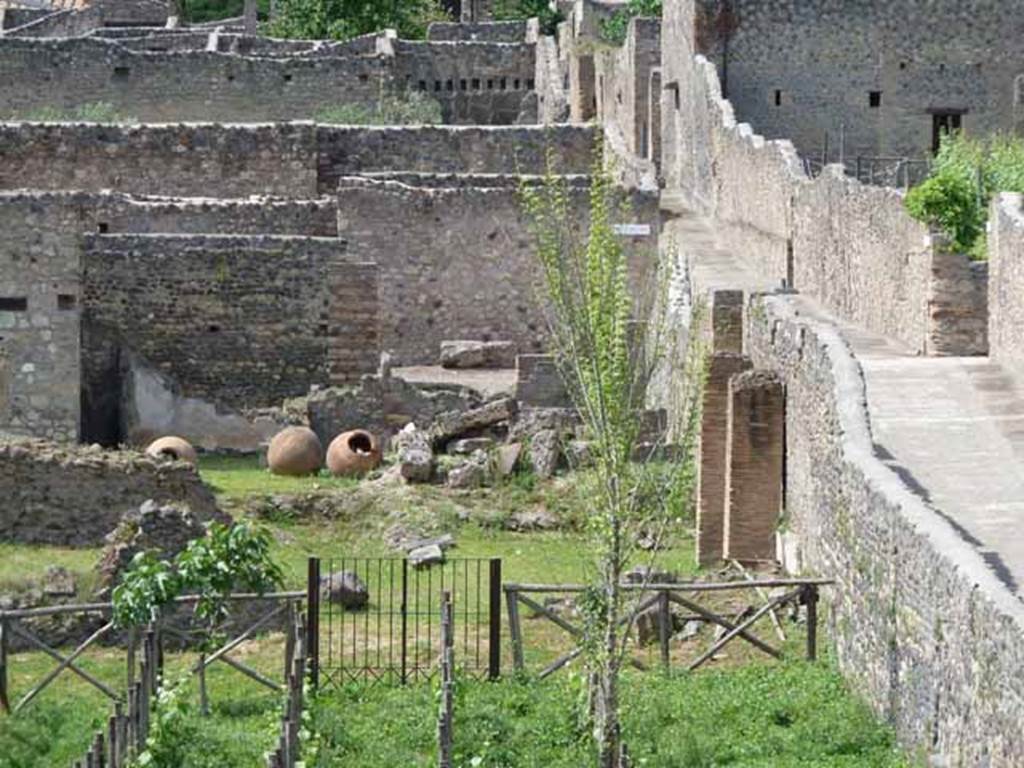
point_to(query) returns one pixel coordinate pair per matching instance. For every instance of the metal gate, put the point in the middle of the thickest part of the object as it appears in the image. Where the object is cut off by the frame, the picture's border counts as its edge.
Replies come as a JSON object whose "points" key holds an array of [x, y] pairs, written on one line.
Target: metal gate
{"points": [[396, 636]]}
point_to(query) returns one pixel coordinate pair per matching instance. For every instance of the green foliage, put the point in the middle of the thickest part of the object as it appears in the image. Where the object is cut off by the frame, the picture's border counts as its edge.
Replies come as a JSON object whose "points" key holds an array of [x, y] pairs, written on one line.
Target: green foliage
{"points": [[408, 108], [345, 19], [781, 716], [226, 560], [614, 28], [199, 11], [966, 174], [171, 730], [548, 16]]}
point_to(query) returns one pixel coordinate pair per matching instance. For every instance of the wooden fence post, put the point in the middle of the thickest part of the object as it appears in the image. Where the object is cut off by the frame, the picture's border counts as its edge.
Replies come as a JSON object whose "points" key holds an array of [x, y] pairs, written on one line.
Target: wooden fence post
{"points": [[446, 714], [5, 701], [494, 648], [811, 599], [664, 628], [313, 620], [515, 630]]}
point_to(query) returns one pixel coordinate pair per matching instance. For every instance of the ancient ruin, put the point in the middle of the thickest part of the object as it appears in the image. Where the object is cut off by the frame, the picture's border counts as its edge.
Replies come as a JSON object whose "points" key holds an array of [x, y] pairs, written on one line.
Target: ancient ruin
{"points": [[225, 263]]}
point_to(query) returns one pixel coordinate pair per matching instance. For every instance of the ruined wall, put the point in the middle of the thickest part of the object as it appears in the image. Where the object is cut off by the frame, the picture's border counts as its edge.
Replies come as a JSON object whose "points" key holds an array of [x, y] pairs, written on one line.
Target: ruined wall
{"points": [[476, 83], [1006, 281], [803, 70], [456, 261], [240, 320], [186, 160], [173, 78], [181, 86], [70, 496], [851, 246], [348, 150], [623, 79], [921, 625]]}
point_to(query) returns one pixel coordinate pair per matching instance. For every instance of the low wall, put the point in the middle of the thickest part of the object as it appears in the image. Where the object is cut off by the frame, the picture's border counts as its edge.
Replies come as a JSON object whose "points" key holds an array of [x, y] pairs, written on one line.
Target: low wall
{"points": [[1006, 281], [491, 32], [183, 160], [349, 150], [922, 626], [75, 496]]}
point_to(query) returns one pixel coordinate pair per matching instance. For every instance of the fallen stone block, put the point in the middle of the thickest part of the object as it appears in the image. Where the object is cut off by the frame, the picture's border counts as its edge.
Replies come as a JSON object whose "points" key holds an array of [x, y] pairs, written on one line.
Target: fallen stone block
{"points": [[478, 354], [415, 456], [449, 426], [470, 445], [346, 589], [474, 473], [545, 453], [423, 557], [507, 457]]}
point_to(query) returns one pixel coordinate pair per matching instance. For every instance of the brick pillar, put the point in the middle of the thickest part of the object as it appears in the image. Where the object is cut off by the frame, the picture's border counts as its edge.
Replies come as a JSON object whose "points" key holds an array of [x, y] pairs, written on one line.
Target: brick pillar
{"points": [[353, 321], [754, 465], [712, 454]]}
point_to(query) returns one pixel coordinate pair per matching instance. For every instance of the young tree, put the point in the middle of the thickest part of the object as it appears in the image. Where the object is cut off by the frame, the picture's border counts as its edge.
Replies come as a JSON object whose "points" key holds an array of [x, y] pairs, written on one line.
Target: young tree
{"points": [[608, 312]]}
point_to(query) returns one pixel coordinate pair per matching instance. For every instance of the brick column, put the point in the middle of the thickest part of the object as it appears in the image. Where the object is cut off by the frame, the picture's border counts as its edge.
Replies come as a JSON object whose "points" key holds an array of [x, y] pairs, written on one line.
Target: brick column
{"points": [[353, 321], [712, 455], [755, 453]]}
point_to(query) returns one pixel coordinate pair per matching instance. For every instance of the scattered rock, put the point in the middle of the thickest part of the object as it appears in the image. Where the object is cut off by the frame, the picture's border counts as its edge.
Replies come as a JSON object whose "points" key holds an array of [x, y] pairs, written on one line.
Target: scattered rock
{"points": [[445, 542], [174, 448], [478, 354], [642, 574], [475, 472], [449, 426], [415, 456], [535, 519], [506, 458], [545, 452], [166, 529], [579, 454], [346, 589], [353, 453], [58, 582], [690, 630], [423, 557], [295, 451], [469, 445]]}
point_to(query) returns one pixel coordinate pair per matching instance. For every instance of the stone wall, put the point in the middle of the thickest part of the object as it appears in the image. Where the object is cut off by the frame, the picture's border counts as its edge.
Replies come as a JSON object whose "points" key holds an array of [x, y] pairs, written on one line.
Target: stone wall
{"points": [[851, 246], [490, 32], [346, 151], [457, 261], [68, 496], [922, 626], [1006, 281], [245, 321], [805, 70], [184, 160], [169, 79]]}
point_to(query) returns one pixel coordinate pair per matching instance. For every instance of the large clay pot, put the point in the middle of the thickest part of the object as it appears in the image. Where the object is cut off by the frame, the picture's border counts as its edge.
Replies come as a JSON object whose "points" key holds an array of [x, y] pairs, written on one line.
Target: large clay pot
{"points": [[172, 447], [295, 451], [353, 453]]}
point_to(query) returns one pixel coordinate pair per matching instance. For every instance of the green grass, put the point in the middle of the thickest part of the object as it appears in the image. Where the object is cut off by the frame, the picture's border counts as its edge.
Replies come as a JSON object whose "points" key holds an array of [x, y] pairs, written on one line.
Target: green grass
{"points": [[780, 716], [235, 477]]}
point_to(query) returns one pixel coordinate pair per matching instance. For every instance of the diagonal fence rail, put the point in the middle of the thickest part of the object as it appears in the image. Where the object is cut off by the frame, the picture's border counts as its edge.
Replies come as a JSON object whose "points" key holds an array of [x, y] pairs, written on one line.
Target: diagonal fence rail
{"points": [[651, 614]]}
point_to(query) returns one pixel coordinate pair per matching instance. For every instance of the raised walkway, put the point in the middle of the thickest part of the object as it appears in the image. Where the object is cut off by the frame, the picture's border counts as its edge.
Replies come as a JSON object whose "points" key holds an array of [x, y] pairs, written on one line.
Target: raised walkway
{"points": [[952, 428]]}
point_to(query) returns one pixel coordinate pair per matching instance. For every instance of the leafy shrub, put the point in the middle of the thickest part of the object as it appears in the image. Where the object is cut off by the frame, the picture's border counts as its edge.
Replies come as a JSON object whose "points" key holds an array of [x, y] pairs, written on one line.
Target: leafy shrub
{"points": [[345, 19], [614, 28], [966, 174], [410, 108], [510, 10]]}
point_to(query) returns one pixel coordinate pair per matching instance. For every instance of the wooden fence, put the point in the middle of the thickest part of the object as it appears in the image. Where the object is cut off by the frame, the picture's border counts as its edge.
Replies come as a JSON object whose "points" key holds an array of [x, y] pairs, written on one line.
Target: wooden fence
{"points": [[657, 600], [288, 752]]}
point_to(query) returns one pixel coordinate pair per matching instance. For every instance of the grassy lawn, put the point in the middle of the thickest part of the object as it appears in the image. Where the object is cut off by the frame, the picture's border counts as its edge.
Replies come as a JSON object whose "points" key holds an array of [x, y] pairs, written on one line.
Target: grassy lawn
{"points": [[792, 715], [741, 712]]}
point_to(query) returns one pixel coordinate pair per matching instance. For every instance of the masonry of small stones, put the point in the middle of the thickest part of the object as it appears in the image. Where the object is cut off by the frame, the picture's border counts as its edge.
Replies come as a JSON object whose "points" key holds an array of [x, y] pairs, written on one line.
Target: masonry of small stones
{"points": [[921, 624]]}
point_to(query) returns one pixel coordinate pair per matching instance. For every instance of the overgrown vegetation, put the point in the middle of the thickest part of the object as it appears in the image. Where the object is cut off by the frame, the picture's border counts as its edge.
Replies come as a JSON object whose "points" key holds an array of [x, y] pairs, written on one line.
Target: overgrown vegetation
{"points": [[965, 176], [795, 715], [614, 28], [510, 10], [610, 338], [200, 11], [407, 108], [345, 19], [93, 112]]}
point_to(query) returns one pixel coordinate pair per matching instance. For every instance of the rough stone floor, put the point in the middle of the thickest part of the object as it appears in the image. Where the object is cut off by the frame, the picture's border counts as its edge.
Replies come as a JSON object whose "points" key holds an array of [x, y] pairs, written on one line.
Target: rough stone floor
{"points": [[953, 428]]}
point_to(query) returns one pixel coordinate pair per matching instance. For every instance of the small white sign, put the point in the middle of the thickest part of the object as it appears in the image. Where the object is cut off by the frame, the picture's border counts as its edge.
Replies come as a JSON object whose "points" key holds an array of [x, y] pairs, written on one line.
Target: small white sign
{"points": [[632, 230]]}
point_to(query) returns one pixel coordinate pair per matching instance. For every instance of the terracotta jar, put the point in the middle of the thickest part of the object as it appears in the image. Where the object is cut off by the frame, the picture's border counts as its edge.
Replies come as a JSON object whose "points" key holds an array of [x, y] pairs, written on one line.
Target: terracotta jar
{"points": [[353, 453], [295, 451], [172, 447]]}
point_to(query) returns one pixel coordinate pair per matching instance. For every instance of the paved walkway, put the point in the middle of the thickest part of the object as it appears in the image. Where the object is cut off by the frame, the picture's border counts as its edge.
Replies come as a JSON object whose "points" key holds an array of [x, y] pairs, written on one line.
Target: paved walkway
{"points": [[953, 428]]}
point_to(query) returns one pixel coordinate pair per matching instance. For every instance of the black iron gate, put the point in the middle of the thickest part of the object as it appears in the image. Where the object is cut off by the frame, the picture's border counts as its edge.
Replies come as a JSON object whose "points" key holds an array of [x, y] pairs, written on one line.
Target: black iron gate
{"points": [[396, 636]]}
